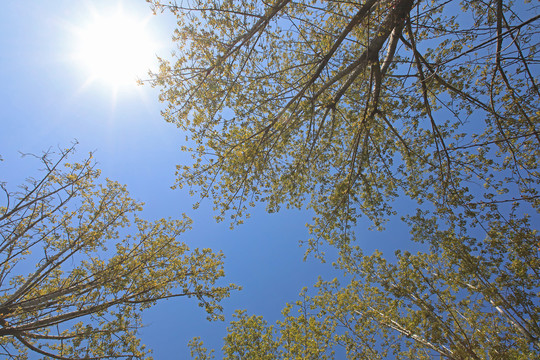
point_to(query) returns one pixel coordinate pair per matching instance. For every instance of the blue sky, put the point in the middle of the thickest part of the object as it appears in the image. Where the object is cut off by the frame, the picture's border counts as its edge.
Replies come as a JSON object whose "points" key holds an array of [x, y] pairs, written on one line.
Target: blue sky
{"points": [[46, 101]]}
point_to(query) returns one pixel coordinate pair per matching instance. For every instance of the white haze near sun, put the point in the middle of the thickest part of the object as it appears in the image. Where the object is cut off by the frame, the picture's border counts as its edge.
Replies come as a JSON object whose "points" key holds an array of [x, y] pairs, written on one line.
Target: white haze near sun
{"points": [[114, 47]]}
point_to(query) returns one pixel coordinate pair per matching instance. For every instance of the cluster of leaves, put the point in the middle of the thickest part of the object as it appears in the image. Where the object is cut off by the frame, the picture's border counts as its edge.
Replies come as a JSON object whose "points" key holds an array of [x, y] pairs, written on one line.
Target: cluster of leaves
{"points": [[343, 106], [77, 266]]}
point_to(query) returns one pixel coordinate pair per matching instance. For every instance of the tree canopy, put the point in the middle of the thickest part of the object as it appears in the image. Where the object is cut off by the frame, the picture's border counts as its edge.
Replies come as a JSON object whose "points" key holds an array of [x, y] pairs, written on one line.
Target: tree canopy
{"points": [[342, 107], [78, 265], [452, 304]]}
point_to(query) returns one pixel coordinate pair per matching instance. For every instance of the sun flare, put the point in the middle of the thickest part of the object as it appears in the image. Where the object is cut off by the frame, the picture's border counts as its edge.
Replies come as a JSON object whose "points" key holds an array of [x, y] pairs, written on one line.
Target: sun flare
{"points": [[115, 48]]}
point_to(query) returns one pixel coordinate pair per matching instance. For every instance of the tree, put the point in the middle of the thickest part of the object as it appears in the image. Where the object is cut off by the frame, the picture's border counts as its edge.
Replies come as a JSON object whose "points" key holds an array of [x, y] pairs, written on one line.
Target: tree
{"points": [[344, 106], [453, 304], [78, 265]]}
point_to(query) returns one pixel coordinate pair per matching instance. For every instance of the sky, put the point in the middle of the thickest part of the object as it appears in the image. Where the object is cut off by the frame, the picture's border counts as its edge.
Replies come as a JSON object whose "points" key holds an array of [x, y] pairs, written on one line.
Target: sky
{"points": [[51, 96]]}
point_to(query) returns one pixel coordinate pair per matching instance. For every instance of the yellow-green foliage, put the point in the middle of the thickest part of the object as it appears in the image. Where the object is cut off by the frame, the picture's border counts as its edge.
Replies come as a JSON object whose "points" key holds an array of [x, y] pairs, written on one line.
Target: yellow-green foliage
{"points": [[78, 265], [343, 106]]}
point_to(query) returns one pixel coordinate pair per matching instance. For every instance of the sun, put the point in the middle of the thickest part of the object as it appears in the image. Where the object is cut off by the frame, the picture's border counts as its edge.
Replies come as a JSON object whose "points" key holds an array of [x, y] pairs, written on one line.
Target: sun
{"points": [[115, 48]]}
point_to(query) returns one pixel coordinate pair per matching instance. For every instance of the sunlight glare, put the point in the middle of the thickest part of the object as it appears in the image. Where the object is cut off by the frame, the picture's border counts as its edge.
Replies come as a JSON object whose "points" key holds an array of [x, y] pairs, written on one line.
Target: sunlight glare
{"points": [[116, 49]]}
